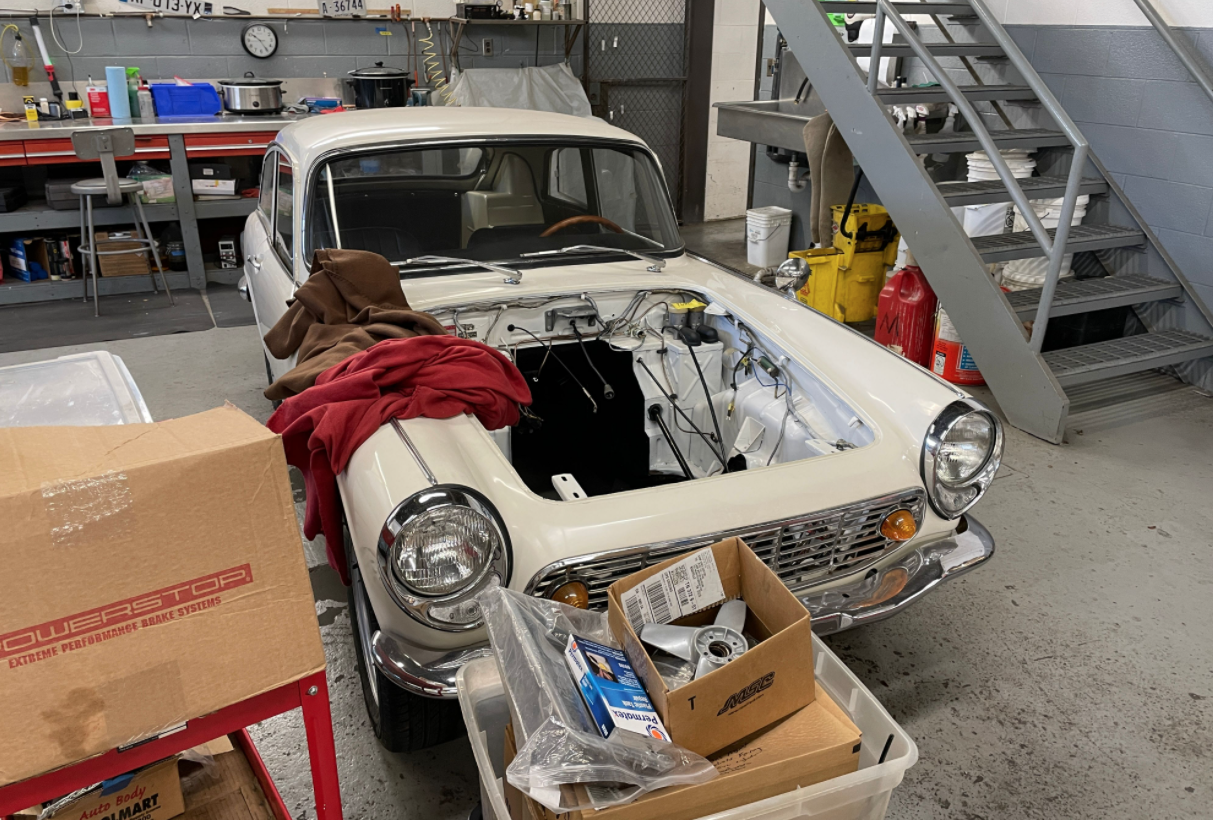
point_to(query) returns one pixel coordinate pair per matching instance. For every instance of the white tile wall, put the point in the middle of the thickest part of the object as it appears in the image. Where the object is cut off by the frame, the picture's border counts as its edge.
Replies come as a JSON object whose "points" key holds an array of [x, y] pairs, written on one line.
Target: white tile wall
{"points": [[734, 44]]}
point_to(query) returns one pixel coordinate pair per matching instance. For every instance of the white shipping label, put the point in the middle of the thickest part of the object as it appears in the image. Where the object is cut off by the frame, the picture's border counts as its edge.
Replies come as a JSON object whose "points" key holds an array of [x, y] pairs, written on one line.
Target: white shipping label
{"points": [[691, 585]]}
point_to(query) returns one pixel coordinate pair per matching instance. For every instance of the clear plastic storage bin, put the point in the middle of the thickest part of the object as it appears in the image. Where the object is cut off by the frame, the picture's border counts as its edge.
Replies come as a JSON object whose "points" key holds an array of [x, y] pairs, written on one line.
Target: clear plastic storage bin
{"points": [[84, 389], [861, 795]]}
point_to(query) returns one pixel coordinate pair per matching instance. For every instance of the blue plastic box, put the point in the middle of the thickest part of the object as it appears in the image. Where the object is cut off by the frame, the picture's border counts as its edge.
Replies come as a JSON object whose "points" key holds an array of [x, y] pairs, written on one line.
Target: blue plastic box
{"points": [[611, 690], [198, 100]]}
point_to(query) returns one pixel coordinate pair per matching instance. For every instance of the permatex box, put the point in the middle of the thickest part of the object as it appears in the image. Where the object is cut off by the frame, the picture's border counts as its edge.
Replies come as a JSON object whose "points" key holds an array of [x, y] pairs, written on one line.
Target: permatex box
{"points": [[611, 690]]}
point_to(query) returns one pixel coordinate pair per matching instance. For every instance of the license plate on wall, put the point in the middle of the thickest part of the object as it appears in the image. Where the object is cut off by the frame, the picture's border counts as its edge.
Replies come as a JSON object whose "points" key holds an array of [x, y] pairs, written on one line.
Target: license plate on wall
{"points": [[342, 8]]}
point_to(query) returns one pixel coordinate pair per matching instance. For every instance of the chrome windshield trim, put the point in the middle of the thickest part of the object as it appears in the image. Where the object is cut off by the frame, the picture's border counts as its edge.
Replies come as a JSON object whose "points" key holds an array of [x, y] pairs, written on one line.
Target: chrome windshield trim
{"points": [[408, 442]]}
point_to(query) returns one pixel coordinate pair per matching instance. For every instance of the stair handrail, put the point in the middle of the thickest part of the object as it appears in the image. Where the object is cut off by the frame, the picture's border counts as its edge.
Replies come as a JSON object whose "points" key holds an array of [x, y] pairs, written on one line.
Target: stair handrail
{"points": [[1198, 71], [1055, 246]]}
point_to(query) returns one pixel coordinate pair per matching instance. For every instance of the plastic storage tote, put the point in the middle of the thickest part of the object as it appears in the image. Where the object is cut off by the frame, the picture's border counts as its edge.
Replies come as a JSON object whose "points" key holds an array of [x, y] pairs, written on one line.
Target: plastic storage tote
{"points": [[82, 389], [198, 100], [861, 795]]}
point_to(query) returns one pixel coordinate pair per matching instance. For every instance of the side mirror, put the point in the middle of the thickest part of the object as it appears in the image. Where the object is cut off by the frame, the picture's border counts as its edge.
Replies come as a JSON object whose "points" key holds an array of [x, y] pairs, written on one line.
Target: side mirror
{"points": [[792, 274]]}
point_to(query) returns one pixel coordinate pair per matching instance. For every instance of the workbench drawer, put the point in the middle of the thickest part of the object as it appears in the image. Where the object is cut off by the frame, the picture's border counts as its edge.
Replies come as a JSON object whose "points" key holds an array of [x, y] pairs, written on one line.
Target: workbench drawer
{"points": [[46, 152], [12, 152], [251, 143]]}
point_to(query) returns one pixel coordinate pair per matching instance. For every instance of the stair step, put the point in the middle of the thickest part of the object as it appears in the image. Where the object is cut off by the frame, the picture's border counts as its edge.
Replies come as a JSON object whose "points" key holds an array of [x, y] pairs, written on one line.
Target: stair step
{"points": [[936, 94], [956, 9], [938, 49], [985, 193], [1132, 354], [1023, 245], [966, 142], [1085, 295]]}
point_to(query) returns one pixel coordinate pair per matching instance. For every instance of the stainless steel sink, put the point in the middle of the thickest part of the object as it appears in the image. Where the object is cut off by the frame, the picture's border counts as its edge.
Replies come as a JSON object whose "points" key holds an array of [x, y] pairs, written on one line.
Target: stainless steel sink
{"points": [[768, 122]]}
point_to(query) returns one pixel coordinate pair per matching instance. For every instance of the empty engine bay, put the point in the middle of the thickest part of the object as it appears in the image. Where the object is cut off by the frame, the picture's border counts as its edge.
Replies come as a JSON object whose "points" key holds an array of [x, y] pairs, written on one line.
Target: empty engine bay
{"points": [[634, 390]]}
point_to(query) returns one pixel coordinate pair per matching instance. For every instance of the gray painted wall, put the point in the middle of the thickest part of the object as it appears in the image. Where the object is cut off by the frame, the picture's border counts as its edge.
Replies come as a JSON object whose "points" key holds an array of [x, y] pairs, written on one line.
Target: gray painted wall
{"points": [[1147, 121]]}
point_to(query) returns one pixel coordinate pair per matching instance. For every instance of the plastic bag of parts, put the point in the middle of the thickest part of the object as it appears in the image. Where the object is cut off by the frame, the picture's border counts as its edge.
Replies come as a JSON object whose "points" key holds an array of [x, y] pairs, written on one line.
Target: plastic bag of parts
{"points": [[558, 744], [544, 88]]}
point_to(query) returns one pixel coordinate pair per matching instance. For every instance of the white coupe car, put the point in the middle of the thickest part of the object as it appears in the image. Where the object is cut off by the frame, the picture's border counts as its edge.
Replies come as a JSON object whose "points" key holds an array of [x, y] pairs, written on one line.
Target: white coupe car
{"points": [[675, 401]]}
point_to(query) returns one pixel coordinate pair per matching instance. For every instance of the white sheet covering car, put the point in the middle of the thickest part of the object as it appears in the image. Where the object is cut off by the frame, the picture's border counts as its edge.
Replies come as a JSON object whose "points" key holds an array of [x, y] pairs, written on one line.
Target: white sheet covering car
{"points": [[675, 401]]}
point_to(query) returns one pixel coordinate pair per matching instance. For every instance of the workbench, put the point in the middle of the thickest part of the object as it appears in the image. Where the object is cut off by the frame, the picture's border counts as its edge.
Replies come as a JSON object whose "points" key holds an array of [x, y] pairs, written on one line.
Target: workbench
{"points": [[177, 139]]}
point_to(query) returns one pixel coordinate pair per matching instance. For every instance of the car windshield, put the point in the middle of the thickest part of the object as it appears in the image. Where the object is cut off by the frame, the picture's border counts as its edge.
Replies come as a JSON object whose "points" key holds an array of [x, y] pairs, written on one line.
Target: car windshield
{"points": [[491, 202]]}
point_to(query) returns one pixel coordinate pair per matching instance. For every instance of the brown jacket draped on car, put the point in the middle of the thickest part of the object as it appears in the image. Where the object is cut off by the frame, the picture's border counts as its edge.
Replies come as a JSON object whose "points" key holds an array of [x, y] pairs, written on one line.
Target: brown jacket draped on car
{"points": [[352, 300]]}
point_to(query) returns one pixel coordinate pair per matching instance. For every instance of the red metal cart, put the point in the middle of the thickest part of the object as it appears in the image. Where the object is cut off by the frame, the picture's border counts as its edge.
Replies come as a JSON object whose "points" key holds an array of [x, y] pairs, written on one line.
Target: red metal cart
{"points": [[311, 694]]}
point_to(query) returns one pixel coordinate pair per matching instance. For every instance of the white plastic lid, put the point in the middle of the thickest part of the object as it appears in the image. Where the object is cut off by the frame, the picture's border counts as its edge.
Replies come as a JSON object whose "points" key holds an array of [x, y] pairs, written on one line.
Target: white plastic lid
{"points": [[84, 389]]}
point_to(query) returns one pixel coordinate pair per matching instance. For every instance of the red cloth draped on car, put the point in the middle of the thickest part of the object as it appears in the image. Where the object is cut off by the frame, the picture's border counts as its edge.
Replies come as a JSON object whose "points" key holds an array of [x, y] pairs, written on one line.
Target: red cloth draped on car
{"points": [[431, 376]]}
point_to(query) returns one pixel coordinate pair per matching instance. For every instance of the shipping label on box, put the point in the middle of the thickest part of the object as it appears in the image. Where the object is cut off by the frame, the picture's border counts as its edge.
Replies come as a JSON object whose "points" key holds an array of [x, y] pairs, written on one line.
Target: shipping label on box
{"points": [[611, 690], [153, 573]]}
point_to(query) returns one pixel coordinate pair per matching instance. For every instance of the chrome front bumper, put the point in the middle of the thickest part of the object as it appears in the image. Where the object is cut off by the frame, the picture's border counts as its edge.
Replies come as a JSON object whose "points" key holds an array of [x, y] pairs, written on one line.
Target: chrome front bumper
{"points": [[876, 595], [885, 591]]}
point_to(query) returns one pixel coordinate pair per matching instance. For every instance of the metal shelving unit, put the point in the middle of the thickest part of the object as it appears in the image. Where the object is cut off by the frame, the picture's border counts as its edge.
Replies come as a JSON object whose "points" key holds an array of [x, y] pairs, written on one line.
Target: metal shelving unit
{"points": [[458, 24]]}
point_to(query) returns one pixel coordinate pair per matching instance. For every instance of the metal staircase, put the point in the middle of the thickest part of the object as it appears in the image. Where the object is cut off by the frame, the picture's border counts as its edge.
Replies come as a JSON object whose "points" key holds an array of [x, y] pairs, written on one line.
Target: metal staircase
{"points": [[1029, 385]]}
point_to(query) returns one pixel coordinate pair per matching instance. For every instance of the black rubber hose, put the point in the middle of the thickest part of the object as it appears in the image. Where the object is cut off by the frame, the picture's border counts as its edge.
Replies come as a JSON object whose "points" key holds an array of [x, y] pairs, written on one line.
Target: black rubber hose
{"points": [[655, 415], [608, 392], [711, 404], [706, 438], [512, 328], [846, 214]]}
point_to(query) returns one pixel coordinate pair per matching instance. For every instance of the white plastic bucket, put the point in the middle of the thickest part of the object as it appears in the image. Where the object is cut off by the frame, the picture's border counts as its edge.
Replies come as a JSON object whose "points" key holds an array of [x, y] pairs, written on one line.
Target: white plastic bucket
{"points": [[860, 795], [1025, 274], [988, 220], [767, 234]]}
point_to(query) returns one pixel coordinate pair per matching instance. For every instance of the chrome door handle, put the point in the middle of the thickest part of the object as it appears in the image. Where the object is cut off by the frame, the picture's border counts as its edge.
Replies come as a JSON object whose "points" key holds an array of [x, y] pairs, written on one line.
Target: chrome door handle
{"points": [[255, 261]]}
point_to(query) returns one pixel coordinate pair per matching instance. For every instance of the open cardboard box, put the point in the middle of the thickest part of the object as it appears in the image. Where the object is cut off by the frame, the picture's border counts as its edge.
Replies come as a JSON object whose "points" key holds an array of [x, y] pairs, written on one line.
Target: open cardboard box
{"points": [[766, 683], [153, 573], [813, 744]]}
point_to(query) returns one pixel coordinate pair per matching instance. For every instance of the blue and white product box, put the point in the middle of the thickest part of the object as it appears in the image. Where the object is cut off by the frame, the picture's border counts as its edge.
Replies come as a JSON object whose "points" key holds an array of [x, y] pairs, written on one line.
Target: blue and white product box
{"points": [[611, 690]]}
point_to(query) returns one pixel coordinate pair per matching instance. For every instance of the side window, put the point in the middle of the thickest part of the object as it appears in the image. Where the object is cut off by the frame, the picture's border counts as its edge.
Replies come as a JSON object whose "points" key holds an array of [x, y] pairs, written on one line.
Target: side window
{"points": [[265, 202], [285, 205], [566, 179]]}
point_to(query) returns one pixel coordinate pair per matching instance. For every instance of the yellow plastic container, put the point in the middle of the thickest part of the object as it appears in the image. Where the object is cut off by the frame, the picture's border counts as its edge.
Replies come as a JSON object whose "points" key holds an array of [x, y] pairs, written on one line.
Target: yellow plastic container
{"points": [[844, 281]]}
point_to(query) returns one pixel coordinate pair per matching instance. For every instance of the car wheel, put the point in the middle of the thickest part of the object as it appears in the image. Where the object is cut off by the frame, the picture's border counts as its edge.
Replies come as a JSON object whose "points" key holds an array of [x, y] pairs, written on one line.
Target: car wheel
{"points": [[269, 379], [402, 721]]}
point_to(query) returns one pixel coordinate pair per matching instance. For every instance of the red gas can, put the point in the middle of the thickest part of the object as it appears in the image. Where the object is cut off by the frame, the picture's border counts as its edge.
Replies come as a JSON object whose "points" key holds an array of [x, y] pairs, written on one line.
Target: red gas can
{"points": [[905, 314]]}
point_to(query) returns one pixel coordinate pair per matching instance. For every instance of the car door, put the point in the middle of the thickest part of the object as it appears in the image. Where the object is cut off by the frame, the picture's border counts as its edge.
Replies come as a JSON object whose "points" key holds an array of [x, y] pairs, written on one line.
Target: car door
{"points": [[271, 248]]}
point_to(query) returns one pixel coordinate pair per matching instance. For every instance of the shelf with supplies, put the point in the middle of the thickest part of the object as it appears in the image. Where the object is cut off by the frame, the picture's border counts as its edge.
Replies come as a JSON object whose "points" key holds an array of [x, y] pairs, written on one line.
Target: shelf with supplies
{"points": [[459, 24], [16, 292], [219, 208], [39, 216]]}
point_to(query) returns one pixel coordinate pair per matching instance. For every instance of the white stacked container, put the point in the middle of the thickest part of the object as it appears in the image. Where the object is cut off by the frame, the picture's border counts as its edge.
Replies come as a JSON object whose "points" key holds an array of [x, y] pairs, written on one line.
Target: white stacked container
{"points": [[861, 795], [1024, 274]]}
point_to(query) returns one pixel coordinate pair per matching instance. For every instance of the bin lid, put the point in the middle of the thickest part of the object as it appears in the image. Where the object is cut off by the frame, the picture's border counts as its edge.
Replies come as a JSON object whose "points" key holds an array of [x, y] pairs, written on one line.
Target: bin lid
{"points": [[378, 71], [84, 389]]}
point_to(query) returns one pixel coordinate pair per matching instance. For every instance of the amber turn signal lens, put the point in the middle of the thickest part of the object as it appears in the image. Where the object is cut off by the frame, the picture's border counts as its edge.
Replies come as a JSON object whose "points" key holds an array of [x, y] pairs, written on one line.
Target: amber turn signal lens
{"points": [[574, 593], [899, 526]]}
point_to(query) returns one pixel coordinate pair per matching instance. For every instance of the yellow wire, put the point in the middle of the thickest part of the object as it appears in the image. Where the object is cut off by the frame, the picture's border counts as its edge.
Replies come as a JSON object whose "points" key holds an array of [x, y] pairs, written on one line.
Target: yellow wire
{"points": [[433, 70]]}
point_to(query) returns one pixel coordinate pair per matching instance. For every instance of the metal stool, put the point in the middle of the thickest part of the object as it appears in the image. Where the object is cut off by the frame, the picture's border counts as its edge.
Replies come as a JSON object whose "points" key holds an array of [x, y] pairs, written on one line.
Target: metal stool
{"points": [[105, 145]]}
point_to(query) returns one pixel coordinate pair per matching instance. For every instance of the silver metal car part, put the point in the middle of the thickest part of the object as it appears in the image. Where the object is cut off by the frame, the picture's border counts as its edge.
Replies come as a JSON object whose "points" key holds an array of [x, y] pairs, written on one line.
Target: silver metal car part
{"points": [[512, 277], [435, 679], [412, 448], [656, 263], [933, 442], [418, 605], [571, 313], [708, 647], [803, 551], [882, 593], [869, 597]]}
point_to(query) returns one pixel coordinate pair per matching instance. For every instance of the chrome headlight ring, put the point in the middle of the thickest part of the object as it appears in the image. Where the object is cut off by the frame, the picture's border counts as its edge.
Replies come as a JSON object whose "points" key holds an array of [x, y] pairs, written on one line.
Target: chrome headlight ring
{"points": [[427, 608], [952, 498]]}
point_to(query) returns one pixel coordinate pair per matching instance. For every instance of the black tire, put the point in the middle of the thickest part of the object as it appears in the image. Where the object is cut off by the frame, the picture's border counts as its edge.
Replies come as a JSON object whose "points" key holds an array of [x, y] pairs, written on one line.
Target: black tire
{"points": [[402, 721], [269, 379]]}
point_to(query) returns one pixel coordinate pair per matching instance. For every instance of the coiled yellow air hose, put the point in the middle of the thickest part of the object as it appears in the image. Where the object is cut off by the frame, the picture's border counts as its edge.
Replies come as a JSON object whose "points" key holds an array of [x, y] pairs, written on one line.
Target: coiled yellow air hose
{"points": [[433, 70]]}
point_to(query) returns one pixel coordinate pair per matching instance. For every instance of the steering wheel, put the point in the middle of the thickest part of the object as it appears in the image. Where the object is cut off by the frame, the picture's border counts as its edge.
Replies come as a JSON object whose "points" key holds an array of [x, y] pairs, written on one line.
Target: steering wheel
{"points": [[581, 220]]}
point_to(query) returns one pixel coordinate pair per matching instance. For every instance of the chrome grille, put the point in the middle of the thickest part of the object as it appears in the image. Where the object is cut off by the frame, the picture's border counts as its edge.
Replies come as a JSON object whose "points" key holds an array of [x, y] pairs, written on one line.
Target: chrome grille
{"points": [[802, 551]]}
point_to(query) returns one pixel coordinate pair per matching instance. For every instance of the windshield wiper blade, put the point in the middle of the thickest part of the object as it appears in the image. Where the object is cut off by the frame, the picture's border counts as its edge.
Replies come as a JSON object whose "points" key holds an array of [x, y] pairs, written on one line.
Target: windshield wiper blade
{"points": [[512, 276], [656, 263]]}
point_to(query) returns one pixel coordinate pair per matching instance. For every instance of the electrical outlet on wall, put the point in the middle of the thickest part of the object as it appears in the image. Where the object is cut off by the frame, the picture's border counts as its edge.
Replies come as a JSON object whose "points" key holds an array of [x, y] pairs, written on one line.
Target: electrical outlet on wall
{"points": [[486, 46]]}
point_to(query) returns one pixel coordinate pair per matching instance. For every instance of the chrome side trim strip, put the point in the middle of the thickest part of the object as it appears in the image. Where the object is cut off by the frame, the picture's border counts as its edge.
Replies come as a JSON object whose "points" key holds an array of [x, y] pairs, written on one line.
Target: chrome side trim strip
{"points": [[408, 442], [432, 680]]}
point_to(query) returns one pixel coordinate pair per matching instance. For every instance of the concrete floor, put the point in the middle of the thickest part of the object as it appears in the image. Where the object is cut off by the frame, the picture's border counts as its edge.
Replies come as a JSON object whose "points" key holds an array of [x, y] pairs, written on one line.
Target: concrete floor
{"points": [[1069, 678]]}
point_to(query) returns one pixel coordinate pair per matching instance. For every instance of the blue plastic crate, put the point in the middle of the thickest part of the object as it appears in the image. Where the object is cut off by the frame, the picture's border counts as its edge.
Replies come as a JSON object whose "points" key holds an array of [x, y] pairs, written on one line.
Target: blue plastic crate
{"points": [[198, 100]]}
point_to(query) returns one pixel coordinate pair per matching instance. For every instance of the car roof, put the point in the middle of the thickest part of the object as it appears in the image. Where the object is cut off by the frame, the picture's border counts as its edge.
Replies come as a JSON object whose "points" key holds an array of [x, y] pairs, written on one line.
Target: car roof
{"points": [[308, 139]]}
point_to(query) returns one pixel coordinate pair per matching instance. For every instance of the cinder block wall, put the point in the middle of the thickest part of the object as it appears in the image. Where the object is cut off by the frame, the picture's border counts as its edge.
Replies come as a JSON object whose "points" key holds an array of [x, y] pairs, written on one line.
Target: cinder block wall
{"points": [[1147, 121]]}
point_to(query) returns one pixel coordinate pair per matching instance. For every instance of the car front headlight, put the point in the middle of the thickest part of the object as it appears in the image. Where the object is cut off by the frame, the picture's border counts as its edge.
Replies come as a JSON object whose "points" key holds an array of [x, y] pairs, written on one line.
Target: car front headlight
{"points": [[961, 454], [440, 548]]}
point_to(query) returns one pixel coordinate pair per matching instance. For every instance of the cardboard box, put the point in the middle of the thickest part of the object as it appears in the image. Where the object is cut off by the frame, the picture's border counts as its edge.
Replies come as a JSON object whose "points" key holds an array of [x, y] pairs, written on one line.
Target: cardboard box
{"points": [[809, 746], [227, 790], [27, 259], [748, 694], [126, 264], [152, 793], [153, 573], [214, 187]]}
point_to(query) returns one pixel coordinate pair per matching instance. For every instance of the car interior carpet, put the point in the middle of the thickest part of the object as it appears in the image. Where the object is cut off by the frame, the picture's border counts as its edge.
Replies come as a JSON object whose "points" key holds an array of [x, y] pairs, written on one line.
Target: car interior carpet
{"points": [[432, 376], [351, 300]]}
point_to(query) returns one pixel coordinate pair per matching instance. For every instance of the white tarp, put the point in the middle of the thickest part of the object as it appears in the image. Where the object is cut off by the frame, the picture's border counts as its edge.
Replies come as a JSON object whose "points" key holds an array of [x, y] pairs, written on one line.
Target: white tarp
{"points": [[546, 88]]}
